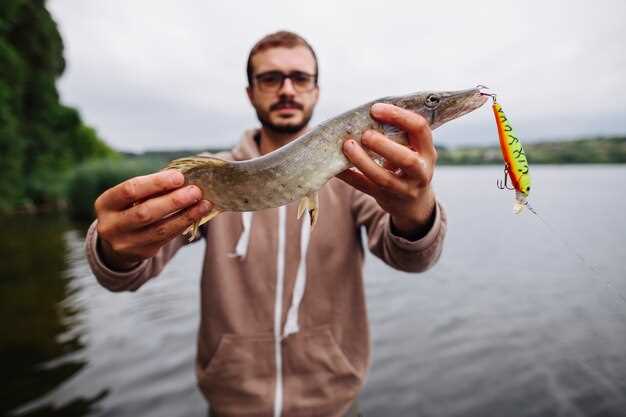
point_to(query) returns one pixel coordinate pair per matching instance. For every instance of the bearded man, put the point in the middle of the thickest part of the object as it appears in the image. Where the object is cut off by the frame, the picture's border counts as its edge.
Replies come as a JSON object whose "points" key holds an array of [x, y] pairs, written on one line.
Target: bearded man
{"points": [[266, 346]]}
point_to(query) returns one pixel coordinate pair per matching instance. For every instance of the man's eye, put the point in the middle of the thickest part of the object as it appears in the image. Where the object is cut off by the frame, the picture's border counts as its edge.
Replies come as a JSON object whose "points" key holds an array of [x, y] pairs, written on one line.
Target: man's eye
{"points": [[300, 78], [270, 78]]}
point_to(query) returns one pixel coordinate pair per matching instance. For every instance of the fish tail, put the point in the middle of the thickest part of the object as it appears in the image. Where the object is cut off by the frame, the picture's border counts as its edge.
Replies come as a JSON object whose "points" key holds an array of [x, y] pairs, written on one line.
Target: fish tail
{"points": [[185, 166]]}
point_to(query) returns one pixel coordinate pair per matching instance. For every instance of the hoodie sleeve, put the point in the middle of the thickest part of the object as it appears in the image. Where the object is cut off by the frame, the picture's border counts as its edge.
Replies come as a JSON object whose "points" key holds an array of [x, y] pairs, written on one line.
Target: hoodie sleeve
{"points": [[132, 279], [396, 251]]}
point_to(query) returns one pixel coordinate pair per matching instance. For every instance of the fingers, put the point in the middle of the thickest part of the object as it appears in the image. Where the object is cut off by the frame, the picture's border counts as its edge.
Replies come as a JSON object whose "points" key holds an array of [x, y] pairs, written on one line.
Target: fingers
{"points": [[154, 209], [375, 173], [144, 243], [358, 181], [137, 189], [174, 225], [396, 155], [140, 215], [417, 128]]}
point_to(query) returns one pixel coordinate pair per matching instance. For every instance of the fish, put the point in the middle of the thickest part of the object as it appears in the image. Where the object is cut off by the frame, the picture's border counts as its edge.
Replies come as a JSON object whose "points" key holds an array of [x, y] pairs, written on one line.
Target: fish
{"points": [[297, 170], [516, 165]]}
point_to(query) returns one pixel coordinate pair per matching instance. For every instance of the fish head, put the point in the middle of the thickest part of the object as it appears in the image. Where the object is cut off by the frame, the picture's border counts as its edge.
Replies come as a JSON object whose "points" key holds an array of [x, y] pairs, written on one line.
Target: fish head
{"points": [[439, 107]]}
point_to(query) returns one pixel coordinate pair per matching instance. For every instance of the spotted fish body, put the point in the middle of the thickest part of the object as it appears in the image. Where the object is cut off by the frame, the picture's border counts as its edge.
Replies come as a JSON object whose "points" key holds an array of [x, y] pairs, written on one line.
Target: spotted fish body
{"points": [[514, 158], [297, 170]]}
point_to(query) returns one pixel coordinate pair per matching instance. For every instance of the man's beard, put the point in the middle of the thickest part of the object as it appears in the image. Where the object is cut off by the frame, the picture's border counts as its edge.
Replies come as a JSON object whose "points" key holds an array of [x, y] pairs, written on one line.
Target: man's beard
{"points": [[288, 128]]}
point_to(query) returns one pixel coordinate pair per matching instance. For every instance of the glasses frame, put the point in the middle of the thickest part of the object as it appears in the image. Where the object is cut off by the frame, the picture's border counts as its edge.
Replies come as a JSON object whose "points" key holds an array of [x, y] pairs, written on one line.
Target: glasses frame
{"points": [[285, 76]]}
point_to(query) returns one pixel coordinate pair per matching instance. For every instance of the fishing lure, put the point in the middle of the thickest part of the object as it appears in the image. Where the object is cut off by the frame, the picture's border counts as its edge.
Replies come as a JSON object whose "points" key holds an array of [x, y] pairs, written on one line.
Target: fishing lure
{"points": [[515, 162], [516, 169]]}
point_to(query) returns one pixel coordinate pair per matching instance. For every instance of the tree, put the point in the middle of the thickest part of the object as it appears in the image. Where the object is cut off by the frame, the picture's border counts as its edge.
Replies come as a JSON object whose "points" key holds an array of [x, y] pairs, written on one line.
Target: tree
{"points": [[40, 138]]}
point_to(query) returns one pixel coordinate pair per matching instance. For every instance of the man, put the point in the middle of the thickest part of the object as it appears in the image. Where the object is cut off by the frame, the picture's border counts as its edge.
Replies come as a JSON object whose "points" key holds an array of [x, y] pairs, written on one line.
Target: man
{"points": [[283, 327]]}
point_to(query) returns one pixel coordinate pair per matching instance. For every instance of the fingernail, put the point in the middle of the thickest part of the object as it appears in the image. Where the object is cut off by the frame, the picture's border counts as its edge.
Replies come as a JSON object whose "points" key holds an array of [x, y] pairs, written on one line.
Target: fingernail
{"points": [[205, 206], [377, 109], [177, 178], [194, 192]]}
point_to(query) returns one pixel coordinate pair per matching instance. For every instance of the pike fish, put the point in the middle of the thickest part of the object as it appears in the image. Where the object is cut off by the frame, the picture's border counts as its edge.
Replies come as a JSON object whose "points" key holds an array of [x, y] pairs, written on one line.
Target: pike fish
{"points": [[299, 169]]}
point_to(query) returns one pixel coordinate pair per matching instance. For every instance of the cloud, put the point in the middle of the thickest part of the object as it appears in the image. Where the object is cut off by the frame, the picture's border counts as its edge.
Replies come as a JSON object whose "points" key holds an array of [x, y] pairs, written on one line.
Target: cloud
{"points": [[171, 74]]}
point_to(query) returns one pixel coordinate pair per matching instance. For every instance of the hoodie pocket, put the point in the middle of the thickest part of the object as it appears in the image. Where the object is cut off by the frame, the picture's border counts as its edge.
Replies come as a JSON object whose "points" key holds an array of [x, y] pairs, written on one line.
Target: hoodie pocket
{"points": [[239, 379], [319, 378]]}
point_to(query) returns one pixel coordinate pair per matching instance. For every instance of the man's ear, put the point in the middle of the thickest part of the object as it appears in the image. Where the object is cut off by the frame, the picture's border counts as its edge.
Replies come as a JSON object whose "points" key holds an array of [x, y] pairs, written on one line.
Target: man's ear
{"points": [[250, 94]]}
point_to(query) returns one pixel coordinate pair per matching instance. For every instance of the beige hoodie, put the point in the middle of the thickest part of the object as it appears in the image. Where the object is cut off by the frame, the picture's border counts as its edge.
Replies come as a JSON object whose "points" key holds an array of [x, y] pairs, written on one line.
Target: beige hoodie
{"points": [[250, 362]]}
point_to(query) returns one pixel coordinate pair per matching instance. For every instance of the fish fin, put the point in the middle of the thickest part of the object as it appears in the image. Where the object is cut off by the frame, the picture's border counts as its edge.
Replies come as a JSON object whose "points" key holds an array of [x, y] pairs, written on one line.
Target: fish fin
{"points": [[302, 206], [187, 164], [192, 230], [314, 208], [395, 134], [310, 203]]}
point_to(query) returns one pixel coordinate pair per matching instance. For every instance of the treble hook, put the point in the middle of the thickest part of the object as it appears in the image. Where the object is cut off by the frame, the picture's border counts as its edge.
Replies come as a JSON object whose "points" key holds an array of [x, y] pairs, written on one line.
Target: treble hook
{"points": [[504, 184]]}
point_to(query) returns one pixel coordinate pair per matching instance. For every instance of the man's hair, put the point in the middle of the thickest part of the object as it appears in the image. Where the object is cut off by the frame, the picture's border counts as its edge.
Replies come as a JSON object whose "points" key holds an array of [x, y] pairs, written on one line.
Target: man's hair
{"points": [[280, 39]]}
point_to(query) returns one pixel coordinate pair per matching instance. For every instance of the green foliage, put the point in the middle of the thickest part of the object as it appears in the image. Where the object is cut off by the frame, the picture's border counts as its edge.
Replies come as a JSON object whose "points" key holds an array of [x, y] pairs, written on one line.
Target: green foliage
{"points": [[40, 139], [598, 150], [92, 178], [34, 34], [10, 153], [8, 12], [581, 151], [11, 147]]}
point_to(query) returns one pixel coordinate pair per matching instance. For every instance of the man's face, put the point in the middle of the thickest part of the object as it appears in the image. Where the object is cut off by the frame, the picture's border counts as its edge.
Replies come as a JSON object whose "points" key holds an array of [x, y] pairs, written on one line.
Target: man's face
{"points": [[285, 110]]}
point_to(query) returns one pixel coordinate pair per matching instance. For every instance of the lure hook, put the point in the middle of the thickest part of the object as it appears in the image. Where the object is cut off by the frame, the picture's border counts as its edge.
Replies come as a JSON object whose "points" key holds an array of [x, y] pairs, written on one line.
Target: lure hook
{"points": [[502, 184], [480, 87]]}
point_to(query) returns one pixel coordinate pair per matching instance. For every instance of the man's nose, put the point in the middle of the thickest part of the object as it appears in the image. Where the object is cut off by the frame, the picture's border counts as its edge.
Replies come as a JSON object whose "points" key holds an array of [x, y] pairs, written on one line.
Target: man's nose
{"points": [[287, 88]]}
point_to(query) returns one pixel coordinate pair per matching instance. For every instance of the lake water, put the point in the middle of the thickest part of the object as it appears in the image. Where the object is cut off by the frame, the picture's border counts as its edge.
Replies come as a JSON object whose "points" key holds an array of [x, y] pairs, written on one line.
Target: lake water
{"points": [[522, 316]]}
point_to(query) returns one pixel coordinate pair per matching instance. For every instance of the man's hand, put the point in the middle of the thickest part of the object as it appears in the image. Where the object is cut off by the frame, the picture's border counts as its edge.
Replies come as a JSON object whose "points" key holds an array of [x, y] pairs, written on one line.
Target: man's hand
{"points": [[402, 187], [138, 216]]}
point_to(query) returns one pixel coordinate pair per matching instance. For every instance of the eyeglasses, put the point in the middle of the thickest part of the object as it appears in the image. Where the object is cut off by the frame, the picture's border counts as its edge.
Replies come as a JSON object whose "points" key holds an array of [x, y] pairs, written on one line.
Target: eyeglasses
{"points": [[272, 81]]}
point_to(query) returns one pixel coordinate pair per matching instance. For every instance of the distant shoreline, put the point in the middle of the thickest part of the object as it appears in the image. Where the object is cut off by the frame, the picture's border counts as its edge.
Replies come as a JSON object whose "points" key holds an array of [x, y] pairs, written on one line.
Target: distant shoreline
{"points": [[600, 150]]}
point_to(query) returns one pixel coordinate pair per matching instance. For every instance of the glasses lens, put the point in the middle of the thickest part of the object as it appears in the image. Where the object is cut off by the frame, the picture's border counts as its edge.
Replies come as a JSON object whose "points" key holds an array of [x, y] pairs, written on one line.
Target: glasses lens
{"points": [[302, 82], [269, 81]]}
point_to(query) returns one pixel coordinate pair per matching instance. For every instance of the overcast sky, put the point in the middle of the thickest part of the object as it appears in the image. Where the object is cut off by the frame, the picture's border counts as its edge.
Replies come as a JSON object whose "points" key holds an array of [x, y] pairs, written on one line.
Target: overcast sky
{"points": [[171, 74]]}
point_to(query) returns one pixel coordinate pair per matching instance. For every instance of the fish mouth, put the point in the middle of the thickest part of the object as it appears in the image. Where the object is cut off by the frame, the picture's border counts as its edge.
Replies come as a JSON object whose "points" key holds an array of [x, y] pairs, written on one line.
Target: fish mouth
{"points": [[486, 93], [457, 104], [473, 95]]}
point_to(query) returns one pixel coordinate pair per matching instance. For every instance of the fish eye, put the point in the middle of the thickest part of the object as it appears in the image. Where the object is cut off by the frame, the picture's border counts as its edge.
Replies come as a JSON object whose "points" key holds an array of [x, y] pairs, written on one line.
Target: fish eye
{"points": [[432, 101]]}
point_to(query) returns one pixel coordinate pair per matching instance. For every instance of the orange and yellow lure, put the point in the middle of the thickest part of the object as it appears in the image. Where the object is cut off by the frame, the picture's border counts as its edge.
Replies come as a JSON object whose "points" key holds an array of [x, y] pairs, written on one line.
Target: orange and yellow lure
{"points": [[516, 168], [515, 161]]}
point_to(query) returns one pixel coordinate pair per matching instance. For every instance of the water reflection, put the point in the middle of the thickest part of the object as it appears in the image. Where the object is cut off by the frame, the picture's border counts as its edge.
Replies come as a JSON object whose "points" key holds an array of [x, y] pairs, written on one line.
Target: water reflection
{"points": [[500, 327], [40, 344]]}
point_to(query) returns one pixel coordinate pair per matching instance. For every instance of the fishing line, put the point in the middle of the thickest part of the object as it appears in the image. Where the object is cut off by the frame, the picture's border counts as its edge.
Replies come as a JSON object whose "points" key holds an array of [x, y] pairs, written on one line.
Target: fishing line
{"points": [[578, 255]]}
